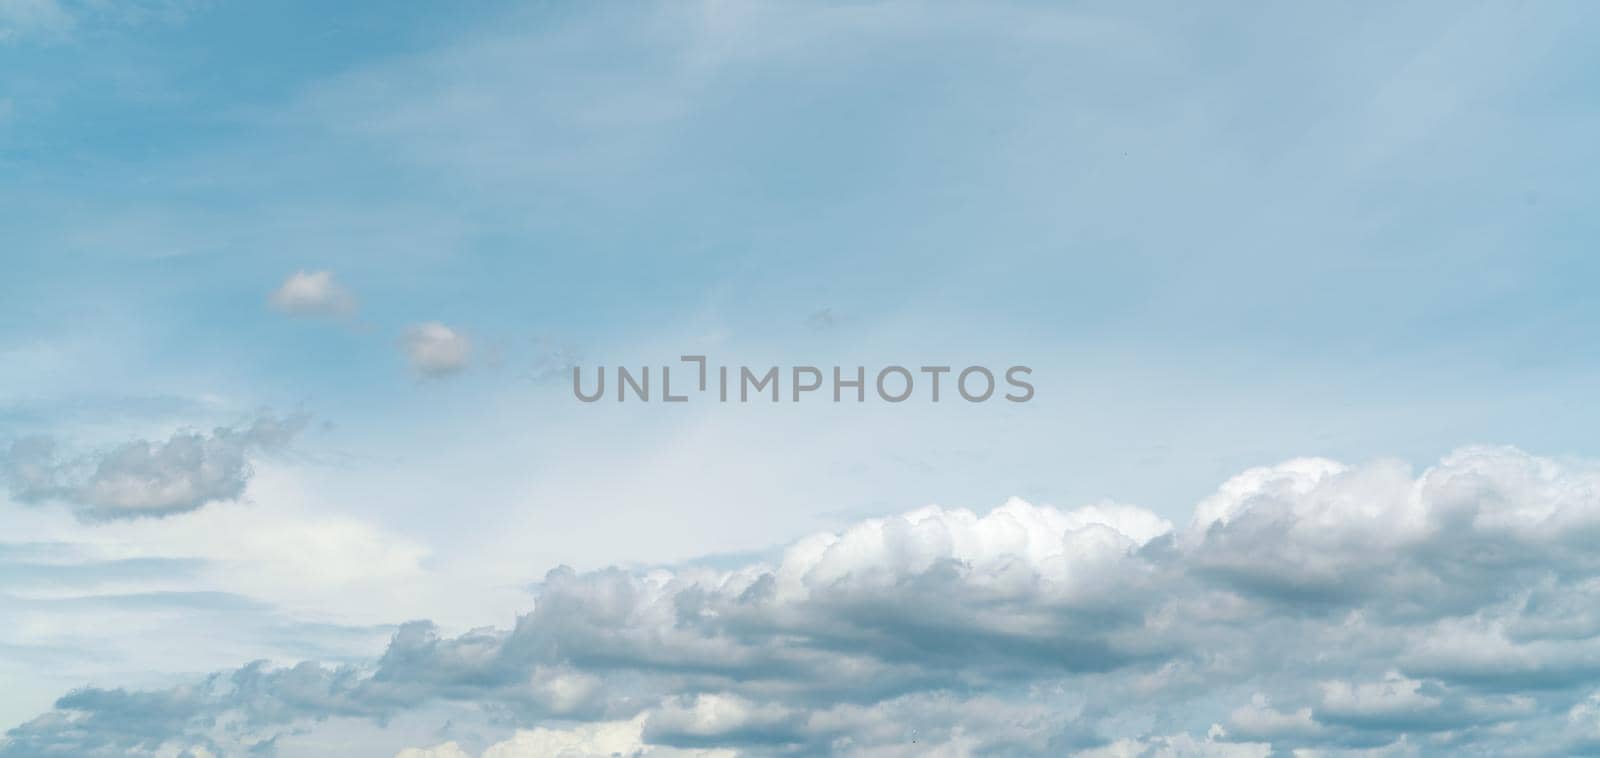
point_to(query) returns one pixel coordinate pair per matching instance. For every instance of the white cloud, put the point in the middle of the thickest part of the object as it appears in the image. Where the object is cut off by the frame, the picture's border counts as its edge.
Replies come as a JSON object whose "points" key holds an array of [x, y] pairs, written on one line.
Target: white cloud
{"points": [[277, 574], [313, 293], [436, 350], [1318, 608], [142, 477]]}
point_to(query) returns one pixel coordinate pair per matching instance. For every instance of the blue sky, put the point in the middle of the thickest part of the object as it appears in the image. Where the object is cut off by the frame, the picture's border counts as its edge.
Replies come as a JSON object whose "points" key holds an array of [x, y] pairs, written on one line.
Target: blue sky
{"points": [[1223, 237], [1172, 211]]}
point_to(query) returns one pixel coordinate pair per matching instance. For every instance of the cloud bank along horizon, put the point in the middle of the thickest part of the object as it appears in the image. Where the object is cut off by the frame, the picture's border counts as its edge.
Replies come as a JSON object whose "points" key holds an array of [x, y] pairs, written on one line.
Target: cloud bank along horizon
{"points": [[1311, 605]]}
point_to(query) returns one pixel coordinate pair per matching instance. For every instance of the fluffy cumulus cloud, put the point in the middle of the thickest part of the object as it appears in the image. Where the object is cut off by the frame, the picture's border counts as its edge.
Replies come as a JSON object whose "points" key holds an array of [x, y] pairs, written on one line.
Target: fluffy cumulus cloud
{"points": [[145, 477], [313, 293], [436, 350], [1310, 608]]}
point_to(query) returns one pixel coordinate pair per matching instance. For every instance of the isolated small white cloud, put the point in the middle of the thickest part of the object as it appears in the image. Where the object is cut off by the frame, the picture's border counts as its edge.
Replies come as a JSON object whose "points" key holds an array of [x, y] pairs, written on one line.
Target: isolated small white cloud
{"points": [[313, 293], [436, 350]]}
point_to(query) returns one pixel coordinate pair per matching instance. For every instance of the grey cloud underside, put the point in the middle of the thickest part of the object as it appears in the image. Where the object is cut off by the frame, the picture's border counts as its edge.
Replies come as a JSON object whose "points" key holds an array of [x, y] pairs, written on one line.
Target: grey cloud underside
{"points": [[142, 477], [1309, 605]]}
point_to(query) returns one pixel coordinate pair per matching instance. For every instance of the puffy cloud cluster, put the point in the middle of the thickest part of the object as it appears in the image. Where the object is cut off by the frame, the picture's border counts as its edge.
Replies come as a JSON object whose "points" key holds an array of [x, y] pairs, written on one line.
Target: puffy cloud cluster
{"points": [[143, 477], [1309, 608]]}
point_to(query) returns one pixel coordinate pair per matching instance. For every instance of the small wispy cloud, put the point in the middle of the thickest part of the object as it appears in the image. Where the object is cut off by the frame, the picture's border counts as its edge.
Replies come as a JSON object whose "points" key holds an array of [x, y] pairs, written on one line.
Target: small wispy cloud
{"points": [[822, 320], [554, 361]]}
